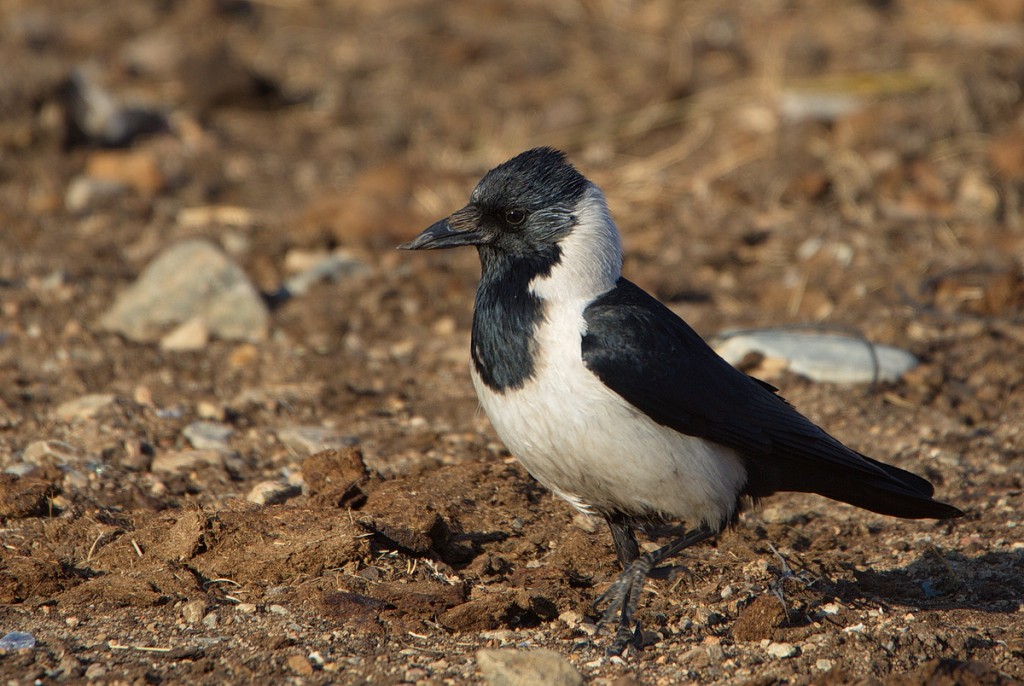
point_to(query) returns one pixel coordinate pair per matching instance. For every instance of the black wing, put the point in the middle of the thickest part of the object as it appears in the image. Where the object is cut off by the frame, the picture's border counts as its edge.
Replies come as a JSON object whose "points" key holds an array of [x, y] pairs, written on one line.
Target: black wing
{"points": [[652, 358]]}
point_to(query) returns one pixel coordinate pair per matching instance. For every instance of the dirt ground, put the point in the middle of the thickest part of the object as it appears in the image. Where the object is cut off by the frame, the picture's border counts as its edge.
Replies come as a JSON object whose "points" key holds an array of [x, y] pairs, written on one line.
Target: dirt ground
{"points": [[853, 164]]}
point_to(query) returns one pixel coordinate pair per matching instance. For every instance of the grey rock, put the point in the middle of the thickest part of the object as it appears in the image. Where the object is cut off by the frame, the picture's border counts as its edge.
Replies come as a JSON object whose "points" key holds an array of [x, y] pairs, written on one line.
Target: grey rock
{"points": [[829, 358], [507, 667], [208, 435], [306, 440], [193, 279]]}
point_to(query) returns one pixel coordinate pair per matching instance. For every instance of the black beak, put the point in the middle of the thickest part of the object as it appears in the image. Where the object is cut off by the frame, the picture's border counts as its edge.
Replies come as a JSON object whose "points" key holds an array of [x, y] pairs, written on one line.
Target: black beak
{"points": [[461, 228]]}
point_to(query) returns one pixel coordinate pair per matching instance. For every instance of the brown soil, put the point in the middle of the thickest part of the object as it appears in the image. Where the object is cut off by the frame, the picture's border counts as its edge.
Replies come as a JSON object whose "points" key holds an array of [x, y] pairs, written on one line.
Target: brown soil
{"points": [[301, 126]]}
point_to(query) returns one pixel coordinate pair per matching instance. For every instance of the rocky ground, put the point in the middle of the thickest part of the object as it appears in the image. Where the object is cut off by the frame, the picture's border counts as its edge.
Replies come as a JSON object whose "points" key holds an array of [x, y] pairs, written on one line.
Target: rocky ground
{"points": [[199, 294]]}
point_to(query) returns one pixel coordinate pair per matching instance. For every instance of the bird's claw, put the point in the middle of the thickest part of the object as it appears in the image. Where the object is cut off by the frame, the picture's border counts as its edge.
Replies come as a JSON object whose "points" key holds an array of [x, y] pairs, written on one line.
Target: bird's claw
{"points": [[625, 638], [615, 596], [620, 610]]}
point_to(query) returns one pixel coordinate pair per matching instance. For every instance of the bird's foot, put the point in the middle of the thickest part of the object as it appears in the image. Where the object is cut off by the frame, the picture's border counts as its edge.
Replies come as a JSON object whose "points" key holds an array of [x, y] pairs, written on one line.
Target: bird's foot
{"points": [[625, 639], [623, 596], [622, 599]]}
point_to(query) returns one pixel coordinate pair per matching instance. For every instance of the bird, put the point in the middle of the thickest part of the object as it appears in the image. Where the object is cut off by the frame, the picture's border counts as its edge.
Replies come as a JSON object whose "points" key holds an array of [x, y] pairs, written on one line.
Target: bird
{"points": [[612, 401]]}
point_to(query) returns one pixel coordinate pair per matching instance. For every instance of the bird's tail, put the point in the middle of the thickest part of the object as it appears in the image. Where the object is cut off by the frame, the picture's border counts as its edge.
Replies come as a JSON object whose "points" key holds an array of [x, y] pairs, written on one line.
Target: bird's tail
{"points": [[878, 487]]}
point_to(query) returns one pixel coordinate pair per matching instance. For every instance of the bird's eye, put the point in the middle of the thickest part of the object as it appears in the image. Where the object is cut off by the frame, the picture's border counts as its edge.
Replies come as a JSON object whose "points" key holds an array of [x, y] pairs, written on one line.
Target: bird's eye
{"points": [[515, 217]]}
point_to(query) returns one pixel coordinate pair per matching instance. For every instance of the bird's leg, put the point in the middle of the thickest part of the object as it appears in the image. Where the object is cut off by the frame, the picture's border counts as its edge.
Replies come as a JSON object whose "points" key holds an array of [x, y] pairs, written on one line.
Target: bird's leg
{"points": [[626, 547], [623, 596]]}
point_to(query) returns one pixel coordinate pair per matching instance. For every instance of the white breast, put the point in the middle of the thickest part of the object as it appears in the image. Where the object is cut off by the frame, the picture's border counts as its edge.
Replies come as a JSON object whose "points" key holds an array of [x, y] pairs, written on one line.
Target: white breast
{"points": [[581, 439]]}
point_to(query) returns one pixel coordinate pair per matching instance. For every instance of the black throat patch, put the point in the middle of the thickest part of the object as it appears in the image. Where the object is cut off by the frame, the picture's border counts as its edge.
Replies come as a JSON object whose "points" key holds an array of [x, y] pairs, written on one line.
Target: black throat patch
{"points": [[507, 315]]}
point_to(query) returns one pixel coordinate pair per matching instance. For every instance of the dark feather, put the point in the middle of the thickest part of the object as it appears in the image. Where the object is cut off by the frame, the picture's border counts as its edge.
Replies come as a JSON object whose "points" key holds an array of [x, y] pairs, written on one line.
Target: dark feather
{"points": [[654, 360]]}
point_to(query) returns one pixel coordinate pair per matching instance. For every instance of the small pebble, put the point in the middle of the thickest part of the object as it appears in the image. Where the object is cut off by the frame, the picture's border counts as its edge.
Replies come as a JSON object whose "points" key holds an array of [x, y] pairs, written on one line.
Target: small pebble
{"points": [[331, 267], [306, 440], [782, 650], [570, 618], [100, 117], [194, 611], [187, 460], [272, 493], [190, 335], [17, 640], [508, 667], [20, 469], [207, 410], [208, 435], [300, 665], [39, 452], [85, 193], [95, 671], [84, 407]]}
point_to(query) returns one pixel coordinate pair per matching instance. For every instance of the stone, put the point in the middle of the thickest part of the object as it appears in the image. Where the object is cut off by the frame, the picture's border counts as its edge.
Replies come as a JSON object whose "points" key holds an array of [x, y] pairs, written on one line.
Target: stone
{"points": [[208, 435], [330, 267], [187, 460], [17, 640], [307, 440], [300, 664], [782, 650], [98, 116], [85, 407], [194, 611], [191, 280], [95, 671], [20, 469], [137, 169], [508, 667], [272, 493], [42, 452], [190, 335], [820, 357], [85, 193], [209, 410]]}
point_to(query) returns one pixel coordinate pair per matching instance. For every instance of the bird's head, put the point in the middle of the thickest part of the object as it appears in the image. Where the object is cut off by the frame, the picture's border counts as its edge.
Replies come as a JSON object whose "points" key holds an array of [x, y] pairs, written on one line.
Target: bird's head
{"points": [[531, 209]]}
